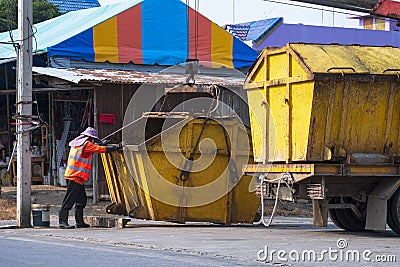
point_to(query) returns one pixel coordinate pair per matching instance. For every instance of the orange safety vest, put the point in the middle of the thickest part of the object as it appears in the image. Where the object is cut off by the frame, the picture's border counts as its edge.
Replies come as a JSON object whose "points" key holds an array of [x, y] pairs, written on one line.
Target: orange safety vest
{"points": [[78, 165]]}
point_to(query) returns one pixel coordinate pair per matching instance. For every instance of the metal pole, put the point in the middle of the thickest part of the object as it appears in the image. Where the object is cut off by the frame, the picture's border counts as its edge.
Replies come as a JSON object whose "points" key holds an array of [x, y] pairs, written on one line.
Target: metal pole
{"points": [[8, 112], [95, 172], [53, 141], [24, 108], [50, 142]]}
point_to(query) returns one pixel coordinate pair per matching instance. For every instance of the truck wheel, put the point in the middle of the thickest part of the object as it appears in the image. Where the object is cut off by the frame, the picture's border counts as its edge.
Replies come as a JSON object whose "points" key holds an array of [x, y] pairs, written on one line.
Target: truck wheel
{"points": [[350, 221], [334, 219], [346, 219], [393, 219]]}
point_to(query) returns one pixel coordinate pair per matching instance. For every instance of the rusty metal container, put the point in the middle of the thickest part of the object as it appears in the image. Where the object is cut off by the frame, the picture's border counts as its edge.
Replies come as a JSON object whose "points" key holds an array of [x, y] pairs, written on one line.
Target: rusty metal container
{"points": [[314, 103], [153, 178]]}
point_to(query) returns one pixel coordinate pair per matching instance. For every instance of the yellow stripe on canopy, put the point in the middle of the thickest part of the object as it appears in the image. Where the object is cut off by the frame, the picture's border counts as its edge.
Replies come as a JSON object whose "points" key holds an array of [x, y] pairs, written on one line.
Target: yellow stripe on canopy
{"points": [[105, 41], [221, 46]]}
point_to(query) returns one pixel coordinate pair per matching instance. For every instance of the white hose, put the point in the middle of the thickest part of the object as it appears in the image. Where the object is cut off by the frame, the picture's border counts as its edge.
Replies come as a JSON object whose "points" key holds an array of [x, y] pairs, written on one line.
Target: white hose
{"points": [[288, 180], [262, 220]]}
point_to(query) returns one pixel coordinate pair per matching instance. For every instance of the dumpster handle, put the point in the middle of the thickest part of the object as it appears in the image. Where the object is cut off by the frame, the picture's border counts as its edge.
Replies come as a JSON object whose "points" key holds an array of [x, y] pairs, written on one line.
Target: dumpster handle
{"points": [[341, 68], [396, 70], [390, 70]]}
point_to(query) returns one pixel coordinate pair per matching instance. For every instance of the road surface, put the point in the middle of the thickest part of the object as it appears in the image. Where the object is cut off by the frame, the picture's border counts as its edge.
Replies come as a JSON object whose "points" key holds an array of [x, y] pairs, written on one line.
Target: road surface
{"points": [[289, 242]]}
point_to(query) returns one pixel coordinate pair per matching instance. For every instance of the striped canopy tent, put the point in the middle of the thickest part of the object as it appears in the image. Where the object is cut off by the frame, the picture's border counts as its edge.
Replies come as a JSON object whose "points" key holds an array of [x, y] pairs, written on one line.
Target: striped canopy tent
{"points": [[142, 32]]}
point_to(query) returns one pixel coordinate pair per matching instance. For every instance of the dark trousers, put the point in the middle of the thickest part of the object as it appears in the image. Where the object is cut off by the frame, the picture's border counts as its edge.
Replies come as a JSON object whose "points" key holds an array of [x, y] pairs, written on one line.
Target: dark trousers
{"points": [[75, 195]]}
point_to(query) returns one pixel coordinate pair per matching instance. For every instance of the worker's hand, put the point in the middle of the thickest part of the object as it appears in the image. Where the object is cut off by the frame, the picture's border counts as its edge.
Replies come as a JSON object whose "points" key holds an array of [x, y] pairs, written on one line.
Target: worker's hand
{"points": [[101, 142], [121, 144], [111, 148], [105, 142]]}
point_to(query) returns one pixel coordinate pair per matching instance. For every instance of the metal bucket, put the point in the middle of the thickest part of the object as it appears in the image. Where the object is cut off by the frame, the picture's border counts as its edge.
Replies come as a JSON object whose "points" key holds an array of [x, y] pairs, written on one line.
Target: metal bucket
{"points": [[41, 215]]}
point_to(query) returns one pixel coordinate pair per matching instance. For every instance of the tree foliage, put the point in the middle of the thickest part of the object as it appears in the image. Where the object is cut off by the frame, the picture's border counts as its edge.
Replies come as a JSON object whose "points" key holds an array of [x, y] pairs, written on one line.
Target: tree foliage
{"points": [[42, 10]]}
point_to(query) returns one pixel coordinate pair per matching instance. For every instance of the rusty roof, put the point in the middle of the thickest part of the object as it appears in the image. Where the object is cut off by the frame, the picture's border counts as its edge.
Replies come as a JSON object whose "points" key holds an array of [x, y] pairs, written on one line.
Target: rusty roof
{"points": [[133, 77]]}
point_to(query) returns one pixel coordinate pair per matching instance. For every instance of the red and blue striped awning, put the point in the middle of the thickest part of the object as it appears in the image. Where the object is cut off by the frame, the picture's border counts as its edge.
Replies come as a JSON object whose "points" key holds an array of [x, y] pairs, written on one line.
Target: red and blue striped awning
{"points": [[156, 32]]}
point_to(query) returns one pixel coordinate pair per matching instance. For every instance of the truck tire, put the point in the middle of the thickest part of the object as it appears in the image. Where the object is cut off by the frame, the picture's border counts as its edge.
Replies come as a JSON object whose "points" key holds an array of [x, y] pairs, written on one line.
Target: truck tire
{"points": [[334, 219], [393, 218], [346, 219], [350, 221]]}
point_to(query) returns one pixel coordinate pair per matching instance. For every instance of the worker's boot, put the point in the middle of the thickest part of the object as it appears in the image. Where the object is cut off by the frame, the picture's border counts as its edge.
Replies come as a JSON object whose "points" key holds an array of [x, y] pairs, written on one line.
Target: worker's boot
{"points": [[79, 219], [63, 219]]}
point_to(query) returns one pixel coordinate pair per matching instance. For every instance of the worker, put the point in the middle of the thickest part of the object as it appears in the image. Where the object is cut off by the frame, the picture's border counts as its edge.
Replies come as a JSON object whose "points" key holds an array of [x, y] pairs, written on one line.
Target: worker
{"points": [[78, 172]]}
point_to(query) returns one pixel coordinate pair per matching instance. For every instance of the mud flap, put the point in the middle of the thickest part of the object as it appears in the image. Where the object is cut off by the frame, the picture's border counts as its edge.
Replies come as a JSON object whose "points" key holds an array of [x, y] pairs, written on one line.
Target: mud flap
{"points": [[376, 214], [377, 203]]}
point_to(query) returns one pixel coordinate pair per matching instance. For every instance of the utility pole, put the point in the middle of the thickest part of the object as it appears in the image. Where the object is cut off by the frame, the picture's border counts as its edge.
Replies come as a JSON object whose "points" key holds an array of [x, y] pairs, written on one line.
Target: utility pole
{"points": [[24, 112]]}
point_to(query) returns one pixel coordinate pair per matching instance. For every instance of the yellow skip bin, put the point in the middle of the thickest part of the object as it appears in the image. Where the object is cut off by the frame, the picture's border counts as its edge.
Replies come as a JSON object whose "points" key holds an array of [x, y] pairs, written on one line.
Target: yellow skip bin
{"points": [[153, 178], [311, 102]]}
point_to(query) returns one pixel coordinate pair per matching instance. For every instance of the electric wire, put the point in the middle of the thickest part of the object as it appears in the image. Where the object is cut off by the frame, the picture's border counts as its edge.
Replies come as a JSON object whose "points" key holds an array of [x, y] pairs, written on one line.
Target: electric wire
{"points": [[34, 31], [40, 115], [196, 27], [11, 10], [188, 25], [13, 42], [311, 7]]}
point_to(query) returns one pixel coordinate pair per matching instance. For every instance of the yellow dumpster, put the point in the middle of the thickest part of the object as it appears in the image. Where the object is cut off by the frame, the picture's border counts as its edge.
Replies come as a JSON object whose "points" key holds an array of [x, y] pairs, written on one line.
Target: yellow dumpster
{"points": [[311, 102], [180, 168]]}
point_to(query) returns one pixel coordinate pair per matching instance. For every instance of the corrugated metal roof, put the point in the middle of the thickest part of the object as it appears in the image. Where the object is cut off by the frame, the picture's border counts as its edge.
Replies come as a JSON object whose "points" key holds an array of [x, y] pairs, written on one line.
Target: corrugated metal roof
{"points": [[129, 77], [238, 30], [254, 30], [352, 59], [65, 6]]}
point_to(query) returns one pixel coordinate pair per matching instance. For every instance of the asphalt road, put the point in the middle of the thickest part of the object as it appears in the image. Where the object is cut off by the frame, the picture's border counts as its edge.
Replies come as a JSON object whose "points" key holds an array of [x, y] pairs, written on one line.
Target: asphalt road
{"points": [[41, 251], [289, 242]]}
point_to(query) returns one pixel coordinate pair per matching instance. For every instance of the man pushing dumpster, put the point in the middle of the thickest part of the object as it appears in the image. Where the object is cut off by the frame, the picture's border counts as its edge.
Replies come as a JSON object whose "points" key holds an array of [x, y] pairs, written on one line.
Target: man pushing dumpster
{"points": [[79, 167]]}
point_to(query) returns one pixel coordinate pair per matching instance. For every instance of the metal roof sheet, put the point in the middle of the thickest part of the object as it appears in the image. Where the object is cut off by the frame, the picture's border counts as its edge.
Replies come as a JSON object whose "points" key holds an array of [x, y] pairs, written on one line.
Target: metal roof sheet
{"points": [[72, 5], [349, 58], [254, 30], [132, 77]]}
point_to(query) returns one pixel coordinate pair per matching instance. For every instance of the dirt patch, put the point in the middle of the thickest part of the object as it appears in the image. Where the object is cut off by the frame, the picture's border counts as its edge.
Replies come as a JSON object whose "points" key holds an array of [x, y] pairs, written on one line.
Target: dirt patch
{"points": [[44, 194], [288, 209], [8, 209]]}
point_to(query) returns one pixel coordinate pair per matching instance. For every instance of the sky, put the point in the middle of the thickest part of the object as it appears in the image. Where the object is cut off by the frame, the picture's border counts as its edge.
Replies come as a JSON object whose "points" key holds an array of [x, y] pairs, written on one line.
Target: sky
{"points": [[236, 11]]}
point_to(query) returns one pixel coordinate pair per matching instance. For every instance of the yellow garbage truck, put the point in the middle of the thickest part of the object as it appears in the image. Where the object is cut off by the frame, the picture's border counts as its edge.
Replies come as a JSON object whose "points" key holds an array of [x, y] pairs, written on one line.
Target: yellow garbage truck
{"points": [[325, 122]]}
